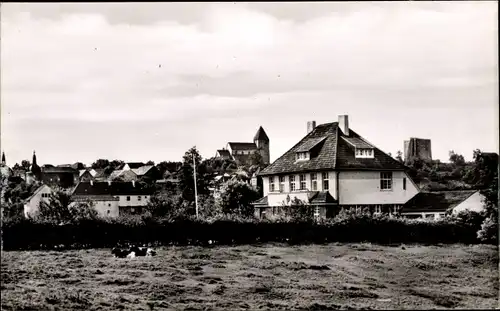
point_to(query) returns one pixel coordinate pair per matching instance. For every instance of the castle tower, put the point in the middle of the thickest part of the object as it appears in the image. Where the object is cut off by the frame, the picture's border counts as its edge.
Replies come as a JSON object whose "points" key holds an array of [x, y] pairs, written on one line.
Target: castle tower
{"points": [[262, 142]]}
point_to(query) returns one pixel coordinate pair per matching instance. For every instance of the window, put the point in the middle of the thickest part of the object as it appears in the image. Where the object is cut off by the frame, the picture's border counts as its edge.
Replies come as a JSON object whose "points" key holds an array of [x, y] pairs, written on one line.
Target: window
{"points": [[302, 156], [386, 181], [128, 198], [109, 204], [326, 181], [145, 197], [302, 178], [316, 211], [109, 211], [292, 182], [282, 183], [364, 153], [404, 183], [314, 182], [271, 184], [138, 198]]}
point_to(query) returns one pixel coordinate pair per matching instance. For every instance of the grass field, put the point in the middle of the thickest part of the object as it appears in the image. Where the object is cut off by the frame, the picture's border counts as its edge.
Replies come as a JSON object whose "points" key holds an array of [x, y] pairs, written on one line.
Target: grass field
{"points": [[313, 277]]}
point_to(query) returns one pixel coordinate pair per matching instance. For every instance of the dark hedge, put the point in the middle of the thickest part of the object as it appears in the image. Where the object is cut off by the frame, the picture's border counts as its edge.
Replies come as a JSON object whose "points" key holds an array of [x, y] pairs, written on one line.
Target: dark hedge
{"points": [[23, 234]]}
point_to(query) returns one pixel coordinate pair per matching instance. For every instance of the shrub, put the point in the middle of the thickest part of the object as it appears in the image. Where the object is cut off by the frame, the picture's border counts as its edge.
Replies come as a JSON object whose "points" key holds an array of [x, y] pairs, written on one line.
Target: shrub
{"points": [[489, 231]]}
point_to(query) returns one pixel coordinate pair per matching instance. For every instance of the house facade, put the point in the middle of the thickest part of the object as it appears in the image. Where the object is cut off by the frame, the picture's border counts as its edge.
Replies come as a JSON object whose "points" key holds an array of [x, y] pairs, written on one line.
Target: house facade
{"points": [[32, 204], [334, 168], [112, 199]]}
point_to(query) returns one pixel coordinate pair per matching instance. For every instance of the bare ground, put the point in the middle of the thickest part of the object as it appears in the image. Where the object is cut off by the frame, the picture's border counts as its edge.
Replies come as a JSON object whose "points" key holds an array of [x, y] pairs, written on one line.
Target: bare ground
{"points": [[272, 276]]}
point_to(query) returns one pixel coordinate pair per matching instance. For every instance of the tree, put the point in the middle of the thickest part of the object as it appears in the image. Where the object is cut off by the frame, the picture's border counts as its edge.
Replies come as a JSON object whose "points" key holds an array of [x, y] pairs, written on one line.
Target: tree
{"points": [[186, 178], [237, 198], [100, 164], [399, 156], [456, 159], [483, 175], [60, 209], [26, 164], [150, 162], [256, 159]]}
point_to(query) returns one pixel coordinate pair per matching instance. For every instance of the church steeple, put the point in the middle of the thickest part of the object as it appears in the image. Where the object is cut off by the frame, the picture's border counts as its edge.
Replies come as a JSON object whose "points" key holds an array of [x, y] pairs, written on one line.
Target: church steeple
{"points": [[34, 159], [35, 169], [3, 158]]}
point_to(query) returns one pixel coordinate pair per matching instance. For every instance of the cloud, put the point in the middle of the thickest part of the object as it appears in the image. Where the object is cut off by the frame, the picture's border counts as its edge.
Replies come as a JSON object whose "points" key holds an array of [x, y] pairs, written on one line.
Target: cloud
{"points": [[152, 62]]}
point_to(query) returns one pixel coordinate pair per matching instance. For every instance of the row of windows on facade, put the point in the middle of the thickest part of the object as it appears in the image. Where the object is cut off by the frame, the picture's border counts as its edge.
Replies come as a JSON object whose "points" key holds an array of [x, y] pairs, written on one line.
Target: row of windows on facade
{"points": [[139, 198], [385, 182], [242, 152], [360, 153]]}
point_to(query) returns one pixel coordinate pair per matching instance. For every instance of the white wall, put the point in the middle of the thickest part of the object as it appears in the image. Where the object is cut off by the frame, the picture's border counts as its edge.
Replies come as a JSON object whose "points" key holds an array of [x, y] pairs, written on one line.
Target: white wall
{"points": [[134, 200], [102, 208], [363, 187], [472, 203], [31, 207], [276, 198]]}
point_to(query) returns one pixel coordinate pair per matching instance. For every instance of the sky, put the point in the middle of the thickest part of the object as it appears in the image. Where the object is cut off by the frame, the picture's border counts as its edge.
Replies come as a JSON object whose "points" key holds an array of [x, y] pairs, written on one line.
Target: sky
{"points": [[147, 81]]}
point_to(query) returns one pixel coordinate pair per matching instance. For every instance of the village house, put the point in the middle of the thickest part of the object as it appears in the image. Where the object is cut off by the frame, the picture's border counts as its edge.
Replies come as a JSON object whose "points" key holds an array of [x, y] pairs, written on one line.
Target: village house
{"points": [[332, 168], [435, 205], [32, 204], [136, 171], [112, 199], [241, 152], [64, 177], [123, 175], [130, 165]]}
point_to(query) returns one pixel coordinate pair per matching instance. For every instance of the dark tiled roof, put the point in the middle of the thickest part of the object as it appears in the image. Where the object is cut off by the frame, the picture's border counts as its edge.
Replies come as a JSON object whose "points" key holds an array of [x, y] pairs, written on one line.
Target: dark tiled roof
{"points": [[224, 153], [333, 153], [63, 169], [134, 165], [310, 144], [322, 197], [242, 146], [438, 201], [115, 188], [357, 142], [261, 135]]}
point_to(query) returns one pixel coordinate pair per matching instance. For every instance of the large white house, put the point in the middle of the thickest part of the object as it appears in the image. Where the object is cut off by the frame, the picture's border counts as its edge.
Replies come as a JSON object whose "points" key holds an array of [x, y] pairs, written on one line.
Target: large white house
{"points": [[332, 168], [112, 199]]}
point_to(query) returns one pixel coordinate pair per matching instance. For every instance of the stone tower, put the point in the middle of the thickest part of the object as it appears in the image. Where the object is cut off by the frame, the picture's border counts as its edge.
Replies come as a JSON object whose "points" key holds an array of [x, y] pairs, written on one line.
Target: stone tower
{"points": [[417, 148], [262, 142]]}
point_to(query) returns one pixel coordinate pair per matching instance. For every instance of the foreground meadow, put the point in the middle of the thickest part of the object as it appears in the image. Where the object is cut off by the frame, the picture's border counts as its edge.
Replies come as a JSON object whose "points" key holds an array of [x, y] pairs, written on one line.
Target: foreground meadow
{"points": [[271, 276]]}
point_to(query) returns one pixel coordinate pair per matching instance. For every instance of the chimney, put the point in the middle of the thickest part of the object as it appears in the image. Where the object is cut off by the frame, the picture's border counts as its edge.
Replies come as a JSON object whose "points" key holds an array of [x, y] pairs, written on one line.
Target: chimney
{"points": [[344, 124], [133, 183], [310, 126]]}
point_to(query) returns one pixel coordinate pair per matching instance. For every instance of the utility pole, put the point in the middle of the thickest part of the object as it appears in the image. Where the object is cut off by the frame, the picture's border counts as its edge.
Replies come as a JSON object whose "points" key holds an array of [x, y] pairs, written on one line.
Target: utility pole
{"points": [[195, 187]]}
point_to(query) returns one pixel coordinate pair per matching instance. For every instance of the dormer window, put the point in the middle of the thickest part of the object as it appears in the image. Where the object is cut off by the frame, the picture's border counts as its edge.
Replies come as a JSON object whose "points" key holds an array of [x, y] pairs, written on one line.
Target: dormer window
{"points": [[302, 156], [364, 153]]}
